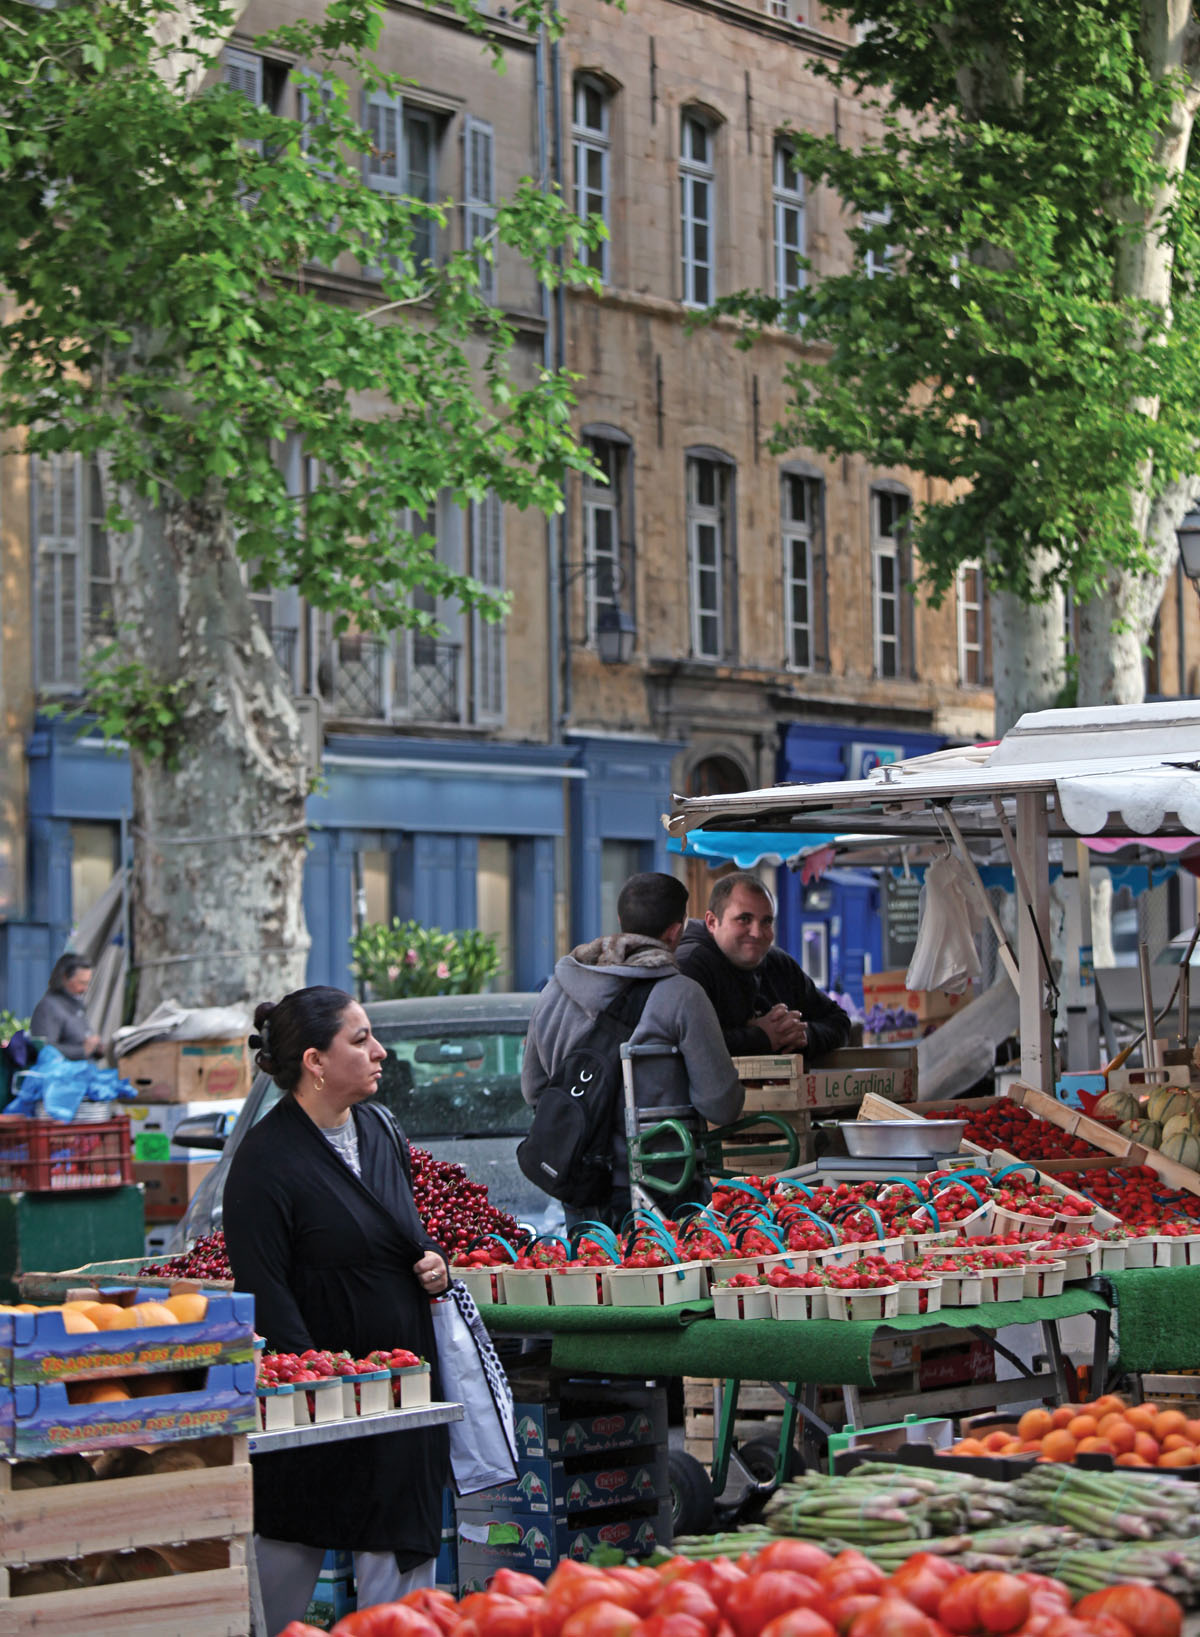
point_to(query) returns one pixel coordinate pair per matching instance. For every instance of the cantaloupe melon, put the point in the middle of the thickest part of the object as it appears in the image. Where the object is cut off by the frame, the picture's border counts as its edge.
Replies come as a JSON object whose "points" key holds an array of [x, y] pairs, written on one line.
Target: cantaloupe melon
{"points": [[1181, 1125], [1165, 1102], [1185, 1148], [1147, 1132], [1119, 1105]]}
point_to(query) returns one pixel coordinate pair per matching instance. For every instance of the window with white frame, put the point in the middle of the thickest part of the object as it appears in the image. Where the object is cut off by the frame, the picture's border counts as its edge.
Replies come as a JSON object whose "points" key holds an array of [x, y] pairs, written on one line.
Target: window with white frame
{"points": [[479, 197], [803, 571], [889, 513], [73, 577], [590, 152], [488, 650], [607, 529], [402, 160], [972, 625], [710, 555], [697, 189], [788, 198], [877, 263]]}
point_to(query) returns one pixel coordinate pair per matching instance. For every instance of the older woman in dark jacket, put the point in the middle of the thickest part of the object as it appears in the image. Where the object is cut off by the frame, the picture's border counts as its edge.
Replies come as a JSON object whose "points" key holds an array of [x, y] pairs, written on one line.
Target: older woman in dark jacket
{"points": [[60, 1017], [322, 1228]]}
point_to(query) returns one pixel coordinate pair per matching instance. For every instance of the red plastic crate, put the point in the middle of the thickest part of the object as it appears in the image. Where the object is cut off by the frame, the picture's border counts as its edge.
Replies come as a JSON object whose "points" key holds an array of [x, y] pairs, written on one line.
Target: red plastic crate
{"points": [[44, 1156]]}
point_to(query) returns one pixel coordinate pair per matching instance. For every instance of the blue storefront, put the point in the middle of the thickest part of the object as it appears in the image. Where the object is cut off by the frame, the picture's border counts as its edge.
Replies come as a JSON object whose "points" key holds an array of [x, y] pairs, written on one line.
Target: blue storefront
{"points": [[834, 926], [452, 834]]}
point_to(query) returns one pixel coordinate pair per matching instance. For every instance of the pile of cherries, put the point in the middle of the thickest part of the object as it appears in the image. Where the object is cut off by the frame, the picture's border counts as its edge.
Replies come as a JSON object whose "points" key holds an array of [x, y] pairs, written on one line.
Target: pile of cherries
{"points": [[454, 1209], [207, 1259]]}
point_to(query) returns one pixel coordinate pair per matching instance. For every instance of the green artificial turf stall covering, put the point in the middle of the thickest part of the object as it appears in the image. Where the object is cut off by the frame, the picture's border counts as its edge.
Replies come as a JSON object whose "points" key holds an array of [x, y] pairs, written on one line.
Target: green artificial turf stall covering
{"points": [[1158, 1317], [680, 1341]]}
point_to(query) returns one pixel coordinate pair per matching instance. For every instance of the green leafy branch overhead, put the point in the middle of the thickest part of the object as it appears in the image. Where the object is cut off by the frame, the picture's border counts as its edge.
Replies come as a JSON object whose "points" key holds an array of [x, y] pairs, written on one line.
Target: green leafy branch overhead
{"points": [[163, 239]]}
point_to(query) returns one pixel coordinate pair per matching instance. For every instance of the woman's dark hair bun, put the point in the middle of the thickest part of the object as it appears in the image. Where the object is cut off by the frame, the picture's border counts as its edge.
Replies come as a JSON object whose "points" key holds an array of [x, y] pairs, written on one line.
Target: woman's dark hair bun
{"points": [[285, 1029]]}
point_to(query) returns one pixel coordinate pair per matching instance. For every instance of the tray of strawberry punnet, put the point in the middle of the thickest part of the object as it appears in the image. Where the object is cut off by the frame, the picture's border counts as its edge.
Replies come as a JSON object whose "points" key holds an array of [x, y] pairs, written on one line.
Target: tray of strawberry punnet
{"points": [[318, 1387], [110, 1334]]}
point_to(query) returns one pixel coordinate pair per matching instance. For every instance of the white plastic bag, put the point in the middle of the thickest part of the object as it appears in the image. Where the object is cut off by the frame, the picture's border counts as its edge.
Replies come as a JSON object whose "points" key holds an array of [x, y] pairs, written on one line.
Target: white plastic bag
{"points": [[945, 956], [483, 1445]]}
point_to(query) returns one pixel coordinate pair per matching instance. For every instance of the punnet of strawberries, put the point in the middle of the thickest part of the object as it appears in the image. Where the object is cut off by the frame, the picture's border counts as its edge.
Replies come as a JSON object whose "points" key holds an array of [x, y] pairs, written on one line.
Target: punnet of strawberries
{"points": [[1009, 1126], [790, 1588]]}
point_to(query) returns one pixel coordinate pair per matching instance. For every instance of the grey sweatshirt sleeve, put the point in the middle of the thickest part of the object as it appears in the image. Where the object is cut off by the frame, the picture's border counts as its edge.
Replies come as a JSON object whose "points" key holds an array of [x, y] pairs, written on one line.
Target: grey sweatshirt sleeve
{"points": [[715, 1090], [534, 1075]]}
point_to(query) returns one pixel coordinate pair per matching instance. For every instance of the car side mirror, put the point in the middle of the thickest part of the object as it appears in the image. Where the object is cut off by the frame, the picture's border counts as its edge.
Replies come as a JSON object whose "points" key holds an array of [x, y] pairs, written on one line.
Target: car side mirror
{"points": [[204, 1131]]}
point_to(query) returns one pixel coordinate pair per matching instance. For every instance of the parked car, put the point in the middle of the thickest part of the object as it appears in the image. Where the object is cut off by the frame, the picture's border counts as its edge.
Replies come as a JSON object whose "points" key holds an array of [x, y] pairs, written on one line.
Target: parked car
{"points": [[452, 1077]]}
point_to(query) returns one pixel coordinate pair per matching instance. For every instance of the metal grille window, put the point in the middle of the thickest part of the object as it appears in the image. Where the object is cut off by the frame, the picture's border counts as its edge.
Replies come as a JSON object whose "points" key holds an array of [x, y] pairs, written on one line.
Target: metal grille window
{"points": [[590, 148], [788, 196], [73, 577], [488, 650], [889, 509], [697, 187], [709, 484], [973, 667], [803, 572]]}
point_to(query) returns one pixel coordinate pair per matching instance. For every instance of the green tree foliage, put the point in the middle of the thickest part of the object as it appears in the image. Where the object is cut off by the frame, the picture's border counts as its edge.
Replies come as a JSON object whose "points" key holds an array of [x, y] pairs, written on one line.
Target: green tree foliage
{"points": [[1002, 346], [155, 236], [404, 958]]}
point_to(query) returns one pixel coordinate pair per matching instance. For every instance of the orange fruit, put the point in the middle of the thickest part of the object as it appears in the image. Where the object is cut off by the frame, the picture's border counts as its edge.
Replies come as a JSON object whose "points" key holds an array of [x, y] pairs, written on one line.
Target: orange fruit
{"points": [[1030, 1446], [189, 1307], [1142, 1417], [96, 1392], [1058, 1445], [76, 1323], [1167, 1422], [1034, 1424], [995, 1441], [1063, 1415], [150, 1313], [1193, 1431], [1175, 1440], [1107, 1422], [1095, 1446], [1178, 1457], [1107, 1404], [106, 1315], [969, 1446], [1147, 1447], [1128, 1458], [1121, 1437], [1082, 1426]]}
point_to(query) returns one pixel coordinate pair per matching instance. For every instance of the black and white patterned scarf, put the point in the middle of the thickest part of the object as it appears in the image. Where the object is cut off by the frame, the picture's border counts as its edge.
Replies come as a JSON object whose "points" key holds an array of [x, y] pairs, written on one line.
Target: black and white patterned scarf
{"points": [[494, 1372]]}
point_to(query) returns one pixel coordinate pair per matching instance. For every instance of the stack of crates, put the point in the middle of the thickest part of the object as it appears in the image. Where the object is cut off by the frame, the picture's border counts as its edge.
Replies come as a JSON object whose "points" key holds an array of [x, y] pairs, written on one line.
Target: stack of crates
{"points": [[333, 1595], [592, 1471]]}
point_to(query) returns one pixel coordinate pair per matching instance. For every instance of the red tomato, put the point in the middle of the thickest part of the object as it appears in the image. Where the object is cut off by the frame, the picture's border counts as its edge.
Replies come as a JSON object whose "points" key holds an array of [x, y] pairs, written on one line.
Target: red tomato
{"points": [[493, 1615], [1002, 1600], [800, 1555], [798, 1623], [571, 1592], [893, 1617], [510, 1583], [672, 1625], [437, 1606], [850, 1572], [919, 1585], [1066, 1625], [958, 1607], [385, 1620], [642, 1585], [1107, 1625], [601, 1618], [689, 1597], [760, 1597], [1144, 1609], [843, 1611], [297, 1628], [675, 1568], [718, 1577], [1042, 1585]]}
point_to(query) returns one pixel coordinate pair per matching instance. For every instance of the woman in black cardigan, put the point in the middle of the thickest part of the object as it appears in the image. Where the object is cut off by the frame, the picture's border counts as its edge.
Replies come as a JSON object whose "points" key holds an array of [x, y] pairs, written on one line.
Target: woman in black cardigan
{"points": [[321, 1227]]}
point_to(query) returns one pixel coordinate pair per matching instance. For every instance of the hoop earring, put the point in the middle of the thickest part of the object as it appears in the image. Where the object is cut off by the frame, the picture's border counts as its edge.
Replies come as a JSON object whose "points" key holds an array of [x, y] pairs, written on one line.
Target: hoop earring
{"points": [[320, 1085]]}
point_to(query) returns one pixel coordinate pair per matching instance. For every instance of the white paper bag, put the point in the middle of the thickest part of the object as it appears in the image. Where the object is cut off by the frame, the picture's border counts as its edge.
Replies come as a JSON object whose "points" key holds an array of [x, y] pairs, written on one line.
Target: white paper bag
{"points": [[483, 1445]]}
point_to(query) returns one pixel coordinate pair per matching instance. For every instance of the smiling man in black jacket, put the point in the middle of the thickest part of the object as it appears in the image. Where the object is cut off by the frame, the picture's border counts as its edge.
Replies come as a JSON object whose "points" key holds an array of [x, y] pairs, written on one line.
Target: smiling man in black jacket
{"points": [[764, 1000]]}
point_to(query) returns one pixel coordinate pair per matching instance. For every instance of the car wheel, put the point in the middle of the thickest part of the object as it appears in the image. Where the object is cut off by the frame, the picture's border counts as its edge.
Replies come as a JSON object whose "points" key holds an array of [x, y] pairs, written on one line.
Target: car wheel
{"points": [[691, 1495], [759, 1455]]}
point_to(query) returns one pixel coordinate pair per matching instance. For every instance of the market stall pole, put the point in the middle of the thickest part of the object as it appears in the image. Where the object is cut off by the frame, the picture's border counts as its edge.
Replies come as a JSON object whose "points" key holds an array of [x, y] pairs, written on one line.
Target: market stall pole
{"points": [[1115, 771]]}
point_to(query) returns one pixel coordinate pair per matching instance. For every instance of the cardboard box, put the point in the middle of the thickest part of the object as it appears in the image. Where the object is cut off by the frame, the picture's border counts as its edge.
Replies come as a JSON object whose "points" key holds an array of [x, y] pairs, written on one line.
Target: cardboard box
{"points": [[835, 1087], [891, 990], [488, 1541], [36, 1348], [182, 1071], [555, 1489], [169, 1187], [154, 1125], [636, 1420], [40, 1420]]}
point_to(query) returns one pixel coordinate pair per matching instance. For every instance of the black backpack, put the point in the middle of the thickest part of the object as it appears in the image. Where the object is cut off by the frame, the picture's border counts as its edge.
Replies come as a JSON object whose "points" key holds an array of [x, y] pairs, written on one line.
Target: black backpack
{"points": [[568, 1151]]}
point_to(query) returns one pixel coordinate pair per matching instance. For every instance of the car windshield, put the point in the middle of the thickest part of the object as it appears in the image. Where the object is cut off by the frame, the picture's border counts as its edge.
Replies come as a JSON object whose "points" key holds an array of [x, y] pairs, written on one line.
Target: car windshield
{"points": [[451, 1084]]}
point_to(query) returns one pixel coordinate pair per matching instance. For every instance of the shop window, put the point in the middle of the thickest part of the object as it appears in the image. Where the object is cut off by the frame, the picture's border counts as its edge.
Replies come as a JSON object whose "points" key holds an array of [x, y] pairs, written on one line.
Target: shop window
{"points": [[494, 902], [95, 859], [618, 861]]}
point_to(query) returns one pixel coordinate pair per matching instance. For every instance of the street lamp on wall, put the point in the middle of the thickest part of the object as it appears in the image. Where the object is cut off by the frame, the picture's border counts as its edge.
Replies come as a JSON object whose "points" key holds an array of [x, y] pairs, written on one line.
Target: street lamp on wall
{"points": [[1188, 535], [616, 628]]}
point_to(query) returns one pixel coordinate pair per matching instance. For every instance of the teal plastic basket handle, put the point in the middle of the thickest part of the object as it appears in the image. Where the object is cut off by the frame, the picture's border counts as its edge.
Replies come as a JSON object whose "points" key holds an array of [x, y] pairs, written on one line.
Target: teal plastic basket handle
{"points": [[903, 1182], [830, 1228], [1017, 1165], [499, 1239], [799, 1188], [600, 1233], [549, 1239], [738, 1186], [709, 1227], [769, 1230], [928, 1209], [695, 1207], [867, 1210], [957, 1182]]}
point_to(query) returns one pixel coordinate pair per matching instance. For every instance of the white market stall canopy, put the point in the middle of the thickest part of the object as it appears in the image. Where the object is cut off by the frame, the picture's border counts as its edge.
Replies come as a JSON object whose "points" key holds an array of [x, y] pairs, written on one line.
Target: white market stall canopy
{"points": [[1115, 771]]}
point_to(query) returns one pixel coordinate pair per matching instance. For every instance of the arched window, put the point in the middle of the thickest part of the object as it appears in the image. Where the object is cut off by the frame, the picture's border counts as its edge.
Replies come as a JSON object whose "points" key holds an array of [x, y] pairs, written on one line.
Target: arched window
{"points": [[591, 146], [788, 200]]}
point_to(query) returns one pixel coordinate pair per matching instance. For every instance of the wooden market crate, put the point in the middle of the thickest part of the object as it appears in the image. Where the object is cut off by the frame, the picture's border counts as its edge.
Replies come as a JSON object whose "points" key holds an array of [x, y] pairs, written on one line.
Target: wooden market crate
{"points": [[197, 1520]]}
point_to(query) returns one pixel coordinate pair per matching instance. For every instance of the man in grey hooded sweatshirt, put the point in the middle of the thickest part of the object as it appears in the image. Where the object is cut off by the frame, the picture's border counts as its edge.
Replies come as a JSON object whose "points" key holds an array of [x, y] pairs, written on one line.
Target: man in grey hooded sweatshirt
{"points": [[698, 1084]]}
